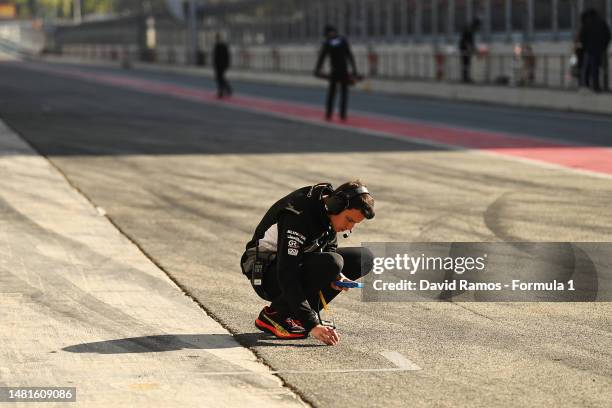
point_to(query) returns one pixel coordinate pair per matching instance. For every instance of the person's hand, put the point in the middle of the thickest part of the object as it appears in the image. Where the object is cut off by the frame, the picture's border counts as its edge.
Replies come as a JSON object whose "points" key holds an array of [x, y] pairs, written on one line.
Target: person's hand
{"points": [[326, 334], [340, 278]]}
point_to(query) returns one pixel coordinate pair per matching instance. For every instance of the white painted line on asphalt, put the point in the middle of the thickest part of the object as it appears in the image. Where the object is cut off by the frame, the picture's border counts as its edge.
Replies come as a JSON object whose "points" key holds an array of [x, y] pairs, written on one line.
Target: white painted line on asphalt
{"points": [[341, 370], [400, 361]]}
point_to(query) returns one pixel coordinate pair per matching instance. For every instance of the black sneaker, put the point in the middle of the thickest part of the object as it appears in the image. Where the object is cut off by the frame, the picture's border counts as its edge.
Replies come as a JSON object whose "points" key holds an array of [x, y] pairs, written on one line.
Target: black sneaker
{"points": [[271, 322]]}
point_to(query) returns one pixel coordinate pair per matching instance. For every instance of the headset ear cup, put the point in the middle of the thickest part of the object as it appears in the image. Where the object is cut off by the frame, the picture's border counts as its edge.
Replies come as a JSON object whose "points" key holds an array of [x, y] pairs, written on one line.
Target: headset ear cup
{"points": [[334, 205], [337, 203]]}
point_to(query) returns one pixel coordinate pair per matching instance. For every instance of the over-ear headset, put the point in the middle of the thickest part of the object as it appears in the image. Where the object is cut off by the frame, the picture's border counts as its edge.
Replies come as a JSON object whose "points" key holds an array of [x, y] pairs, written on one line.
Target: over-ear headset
{"points": [[340, 200]]}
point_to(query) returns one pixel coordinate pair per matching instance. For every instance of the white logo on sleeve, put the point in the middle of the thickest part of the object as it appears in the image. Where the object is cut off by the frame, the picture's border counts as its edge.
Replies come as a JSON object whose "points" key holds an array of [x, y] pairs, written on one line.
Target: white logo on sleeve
{"points": [[292, 251], [296, 236], [293, 244]]}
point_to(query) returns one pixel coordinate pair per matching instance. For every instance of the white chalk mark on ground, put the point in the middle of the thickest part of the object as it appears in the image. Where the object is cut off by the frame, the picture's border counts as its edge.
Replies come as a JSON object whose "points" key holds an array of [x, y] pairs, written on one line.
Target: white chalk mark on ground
{"points": [[400, 361]]}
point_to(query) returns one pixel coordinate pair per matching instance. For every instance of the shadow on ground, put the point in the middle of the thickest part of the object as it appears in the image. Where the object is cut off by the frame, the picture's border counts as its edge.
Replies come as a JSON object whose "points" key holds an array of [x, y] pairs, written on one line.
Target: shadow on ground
{"points": [[173, 342]]}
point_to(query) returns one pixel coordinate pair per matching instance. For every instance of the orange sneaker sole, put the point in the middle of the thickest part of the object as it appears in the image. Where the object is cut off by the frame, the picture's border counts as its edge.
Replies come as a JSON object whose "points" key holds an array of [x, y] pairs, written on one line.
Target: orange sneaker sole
{"points": [[271, 329]]}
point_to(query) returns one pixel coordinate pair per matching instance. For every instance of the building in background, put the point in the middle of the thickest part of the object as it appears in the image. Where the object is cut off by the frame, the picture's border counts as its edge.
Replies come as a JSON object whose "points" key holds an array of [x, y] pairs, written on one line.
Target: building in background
{"points": [[521, 42], [8, 10], [298, 21], [251, 22]]}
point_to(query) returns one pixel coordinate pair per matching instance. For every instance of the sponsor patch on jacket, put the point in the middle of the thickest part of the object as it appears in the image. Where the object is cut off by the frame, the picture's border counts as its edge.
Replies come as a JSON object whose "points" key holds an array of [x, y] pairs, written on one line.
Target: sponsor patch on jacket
{"points": [[293, 243], [292, 235], [292, 251]]}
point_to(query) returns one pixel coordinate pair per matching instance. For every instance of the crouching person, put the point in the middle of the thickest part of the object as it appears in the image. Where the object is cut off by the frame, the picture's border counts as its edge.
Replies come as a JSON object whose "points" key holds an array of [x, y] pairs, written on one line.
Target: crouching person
{"points": [[293, 257]]}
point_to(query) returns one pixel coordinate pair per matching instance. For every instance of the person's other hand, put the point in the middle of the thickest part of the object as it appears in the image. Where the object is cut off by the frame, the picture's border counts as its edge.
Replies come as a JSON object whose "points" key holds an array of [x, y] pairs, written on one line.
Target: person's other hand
{"points": [[340, 278], [326, 334]]}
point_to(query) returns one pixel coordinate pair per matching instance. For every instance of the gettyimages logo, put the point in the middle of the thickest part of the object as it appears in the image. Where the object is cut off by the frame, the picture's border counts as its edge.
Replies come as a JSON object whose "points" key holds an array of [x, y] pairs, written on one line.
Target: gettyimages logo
{"points": [[414, 264]]}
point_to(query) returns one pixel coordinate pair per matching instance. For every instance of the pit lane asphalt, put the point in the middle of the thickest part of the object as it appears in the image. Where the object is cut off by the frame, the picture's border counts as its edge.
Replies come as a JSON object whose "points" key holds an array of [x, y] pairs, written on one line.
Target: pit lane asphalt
{"points": [[188, 182]]}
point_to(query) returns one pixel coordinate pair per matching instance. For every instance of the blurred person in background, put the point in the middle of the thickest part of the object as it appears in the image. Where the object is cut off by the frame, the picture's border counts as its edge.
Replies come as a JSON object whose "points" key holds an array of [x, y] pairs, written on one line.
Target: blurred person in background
{"points": [[340, 55], [594, 39], [221, 62], [467, 48], [579, 50]]}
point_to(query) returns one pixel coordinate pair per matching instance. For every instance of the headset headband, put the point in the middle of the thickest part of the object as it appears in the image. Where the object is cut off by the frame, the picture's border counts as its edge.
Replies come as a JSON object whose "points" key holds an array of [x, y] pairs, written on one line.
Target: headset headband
{"points": [[350, 194]]}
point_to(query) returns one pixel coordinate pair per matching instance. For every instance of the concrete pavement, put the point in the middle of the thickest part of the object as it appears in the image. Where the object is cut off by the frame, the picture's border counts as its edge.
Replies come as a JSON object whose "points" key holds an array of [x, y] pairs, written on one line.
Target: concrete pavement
{"points": [[82, 306]]}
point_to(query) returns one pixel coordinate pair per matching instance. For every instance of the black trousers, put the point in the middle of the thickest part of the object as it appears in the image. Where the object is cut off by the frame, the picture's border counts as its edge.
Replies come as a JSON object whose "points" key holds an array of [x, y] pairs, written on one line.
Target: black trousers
{"points": [[318, 271], [590, 70], [334, 82], [223, 87], [466, 63]]}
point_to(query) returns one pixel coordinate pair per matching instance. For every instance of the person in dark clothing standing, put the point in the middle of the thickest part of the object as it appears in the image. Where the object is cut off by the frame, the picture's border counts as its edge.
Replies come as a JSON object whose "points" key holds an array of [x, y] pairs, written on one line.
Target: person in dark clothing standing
{"points": [[340, 55], [594, 39], [467, 47], [293, 259], [221, 62]]}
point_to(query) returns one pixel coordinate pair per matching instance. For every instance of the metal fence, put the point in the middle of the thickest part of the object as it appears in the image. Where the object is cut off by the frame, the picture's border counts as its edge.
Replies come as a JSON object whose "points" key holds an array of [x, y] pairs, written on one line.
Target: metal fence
{"points": [[512, 69], [503, 69]]}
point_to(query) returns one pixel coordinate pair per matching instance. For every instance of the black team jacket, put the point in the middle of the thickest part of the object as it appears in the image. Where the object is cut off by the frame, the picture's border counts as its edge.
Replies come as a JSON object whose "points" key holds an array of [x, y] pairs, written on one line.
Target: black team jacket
{"points": [[296, 224], [340, 56]]}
